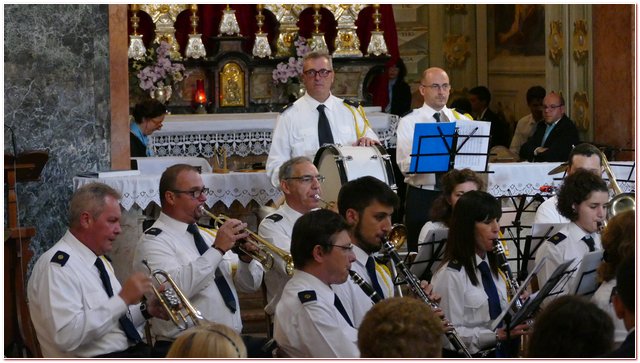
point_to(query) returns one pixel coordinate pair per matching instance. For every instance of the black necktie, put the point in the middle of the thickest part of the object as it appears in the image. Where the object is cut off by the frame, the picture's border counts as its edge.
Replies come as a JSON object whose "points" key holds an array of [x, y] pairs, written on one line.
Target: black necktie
{"points": [[490, 289], [338, 304], [371, 271], [437, 116], [221, 282], [590, 243], [324, 130], [127, 325]]}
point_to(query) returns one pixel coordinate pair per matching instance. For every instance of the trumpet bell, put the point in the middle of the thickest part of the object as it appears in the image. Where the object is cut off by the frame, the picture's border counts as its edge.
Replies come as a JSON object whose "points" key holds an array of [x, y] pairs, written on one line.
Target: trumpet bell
{"points": [[621, 203], [397, 235]]}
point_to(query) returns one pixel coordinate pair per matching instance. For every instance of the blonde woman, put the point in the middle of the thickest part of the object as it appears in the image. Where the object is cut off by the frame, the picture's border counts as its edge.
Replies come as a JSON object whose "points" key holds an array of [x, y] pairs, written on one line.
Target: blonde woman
{"points": [[211, 340]]}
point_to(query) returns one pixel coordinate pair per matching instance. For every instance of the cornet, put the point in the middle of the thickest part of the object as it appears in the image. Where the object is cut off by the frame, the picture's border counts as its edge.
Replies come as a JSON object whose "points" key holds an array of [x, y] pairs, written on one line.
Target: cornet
{"points": [[174, 301], [266, 250]]}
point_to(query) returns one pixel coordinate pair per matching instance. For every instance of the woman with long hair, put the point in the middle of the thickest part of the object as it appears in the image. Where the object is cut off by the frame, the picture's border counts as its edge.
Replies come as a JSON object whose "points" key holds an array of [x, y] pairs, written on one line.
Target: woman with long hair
{"points": [[472, 289]]}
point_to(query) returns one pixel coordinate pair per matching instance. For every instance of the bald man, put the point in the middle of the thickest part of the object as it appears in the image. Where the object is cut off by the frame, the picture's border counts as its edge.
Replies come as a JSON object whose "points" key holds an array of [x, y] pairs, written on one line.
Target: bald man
{"points": [[421, 188]]}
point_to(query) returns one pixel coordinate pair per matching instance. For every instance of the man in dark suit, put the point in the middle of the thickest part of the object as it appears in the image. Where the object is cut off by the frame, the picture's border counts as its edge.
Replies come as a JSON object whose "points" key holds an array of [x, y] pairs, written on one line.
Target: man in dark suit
{"points": [[623, 299], [480, 98], [553, 139]]}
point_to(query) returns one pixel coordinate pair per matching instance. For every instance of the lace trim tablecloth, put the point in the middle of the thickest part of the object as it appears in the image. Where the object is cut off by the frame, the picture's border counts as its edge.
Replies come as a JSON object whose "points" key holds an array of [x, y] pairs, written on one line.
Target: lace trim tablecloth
{"points": [[141, 190], [240, 134], [527, 178]]}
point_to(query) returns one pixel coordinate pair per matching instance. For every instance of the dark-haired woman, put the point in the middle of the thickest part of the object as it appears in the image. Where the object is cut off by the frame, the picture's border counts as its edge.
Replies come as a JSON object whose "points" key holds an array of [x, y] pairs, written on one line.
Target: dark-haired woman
{"points": [[473, 291], [582, 199], [148, 116]]}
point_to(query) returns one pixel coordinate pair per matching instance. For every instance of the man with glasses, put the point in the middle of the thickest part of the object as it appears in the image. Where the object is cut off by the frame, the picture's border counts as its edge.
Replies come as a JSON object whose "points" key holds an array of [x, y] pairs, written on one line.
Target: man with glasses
{"points": [[553, 139], [300, 183], [317, 118], [421, 188], [311, 321], [198, 259]]}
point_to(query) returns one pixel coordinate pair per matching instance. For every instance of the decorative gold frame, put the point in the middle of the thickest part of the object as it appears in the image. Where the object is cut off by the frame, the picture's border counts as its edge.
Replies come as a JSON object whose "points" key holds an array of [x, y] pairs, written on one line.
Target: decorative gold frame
{"points": [[555, 42], [232, 86], [580, 42], [580, 110], [456, 50]]}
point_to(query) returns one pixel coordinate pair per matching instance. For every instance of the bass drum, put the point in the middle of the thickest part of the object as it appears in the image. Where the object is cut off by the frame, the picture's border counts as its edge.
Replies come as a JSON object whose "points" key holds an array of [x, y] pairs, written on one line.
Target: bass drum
{"points": [[339, 164]]}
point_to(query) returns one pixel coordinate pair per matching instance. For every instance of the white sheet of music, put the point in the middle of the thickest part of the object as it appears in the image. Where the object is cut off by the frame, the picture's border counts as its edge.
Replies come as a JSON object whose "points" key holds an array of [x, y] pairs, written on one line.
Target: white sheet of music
{"points": [[475, 145]]}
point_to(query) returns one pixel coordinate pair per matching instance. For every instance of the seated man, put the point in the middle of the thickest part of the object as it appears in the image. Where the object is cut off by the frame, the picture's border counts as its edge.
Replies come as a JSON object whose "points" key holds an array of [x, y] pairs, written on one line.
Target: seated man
{"points": [[77, 305], [198, 259], [311, 321], [300, 183], [624, 303]]}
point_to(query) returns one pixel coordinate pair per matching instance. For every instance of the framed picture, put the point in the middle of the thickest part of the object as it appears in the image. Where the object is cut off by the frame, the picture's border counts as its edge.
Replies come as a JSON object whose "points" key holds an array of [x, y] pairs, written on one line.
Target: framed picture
{"points": [[515, 30]]}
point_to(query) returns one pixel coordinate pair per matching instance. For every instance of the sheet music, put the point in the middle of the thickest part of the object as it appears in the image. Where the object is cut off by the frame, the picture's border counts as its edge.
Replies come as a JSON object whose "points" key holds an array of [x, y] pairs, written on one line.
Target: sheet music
{"points": [[475, 145]]}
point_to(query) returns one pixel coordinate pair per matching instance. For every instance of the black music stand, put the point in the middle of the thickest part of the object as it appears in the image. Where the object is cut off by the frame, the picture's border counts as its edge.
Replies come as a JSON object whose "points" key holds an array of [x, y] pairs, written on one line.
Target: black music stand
{"points": [[429, 253], [531, 305]]}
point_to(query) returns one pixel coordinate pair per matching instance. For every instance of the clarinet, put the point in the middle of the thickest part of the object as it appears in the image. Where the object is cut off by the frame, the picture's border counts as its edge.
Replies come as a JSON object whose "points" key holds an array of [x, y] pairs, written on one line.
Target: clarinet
{"points": [[368, 289], [503, 264], [414, 284]]}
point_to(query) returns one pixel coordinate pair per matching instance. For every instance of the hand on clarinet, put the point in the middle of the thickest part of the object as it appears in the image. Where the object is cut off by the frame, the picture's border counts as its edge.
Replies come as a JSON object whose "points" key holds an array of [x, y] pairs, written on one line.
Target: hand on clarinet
{"points": [[519, 330]]}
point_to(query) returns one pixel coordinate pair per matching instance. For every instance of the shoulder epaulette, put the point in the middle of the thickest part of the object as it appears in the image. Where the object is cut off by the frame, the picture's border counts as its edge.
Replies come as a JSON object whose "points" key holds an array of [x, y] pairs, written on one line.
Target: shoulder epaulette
{"points": [[60, 258], [352, 103], [454, 264], [407, 114], [275, 217], [307, 295], [286, 107], [557, 238], [154, 231]]}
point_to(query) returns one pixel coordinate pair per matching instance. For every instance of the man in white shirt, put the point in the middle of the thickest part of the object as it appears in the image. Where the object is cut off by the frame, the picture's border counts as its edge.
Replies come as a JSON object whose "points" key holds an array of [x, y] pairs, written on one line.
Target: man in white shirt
{"points": [[583, 156], [300, 183], [198, 259], [311, 320], [77, 305], [526, 126], [367, 205], [421, 188], [317, 118]]}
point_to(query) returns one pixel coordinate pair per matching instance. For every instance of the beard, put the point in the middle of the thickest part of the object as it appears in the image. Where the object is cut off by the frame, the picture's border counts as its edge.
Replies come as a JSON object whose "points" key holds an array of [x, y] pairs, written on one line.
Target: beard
{"points": [[367, 246]]}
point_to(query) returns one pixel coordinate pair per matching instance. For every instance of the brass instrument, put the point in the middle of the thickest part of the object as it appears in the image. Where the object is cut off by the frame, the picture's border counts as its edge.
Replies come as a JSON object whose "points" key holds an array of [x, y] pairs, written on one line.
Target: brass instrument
{"points": [[397, 232], [621, 202], [266, 250], [503, 264], [327, 205], [174, 301]]}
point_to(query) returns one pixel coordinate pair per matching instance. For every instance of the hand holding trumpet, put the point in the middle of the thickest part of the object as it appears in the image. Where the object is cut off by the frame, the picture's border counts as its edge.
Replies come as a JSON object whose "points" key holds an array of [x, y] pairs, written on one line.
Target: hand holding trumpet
{"points": [[229, 233]]}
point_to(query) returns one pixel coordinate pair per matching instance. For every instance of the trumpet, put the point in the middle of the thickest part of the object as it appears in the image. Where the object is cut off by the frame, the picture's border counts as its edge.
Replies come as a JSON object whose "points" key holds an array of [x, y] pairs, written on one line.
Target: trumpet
{"points": [[266, 250], [414, 285], [327, 205], [621, 202], [174, 301]]}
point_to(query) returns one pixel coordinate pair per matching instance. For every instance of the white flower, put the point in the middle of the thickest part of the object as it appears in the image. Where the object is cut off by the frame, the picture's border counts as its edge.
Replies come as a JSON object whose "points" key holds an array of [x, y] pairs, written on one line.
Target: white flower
{"points": [[290, 71]]}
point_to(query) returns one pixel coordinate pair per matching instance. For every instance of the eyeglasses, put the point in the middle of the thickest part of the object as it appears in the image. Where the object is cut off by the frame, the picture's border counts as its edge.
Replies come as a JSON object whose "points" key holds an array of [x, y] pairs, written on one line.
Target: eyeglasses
{"points": [[551, 107], [348, 248], [312, 73], [437, 87], [306, 179], [194, 193]]}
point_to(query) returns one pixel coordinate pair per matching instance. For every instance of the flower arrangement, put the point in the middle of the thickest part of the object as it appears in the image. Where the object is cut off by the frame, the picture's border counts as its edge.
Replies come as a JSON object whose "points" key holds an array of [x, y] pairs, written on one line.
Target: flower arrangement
{"points": [[155, 69], [289, 72]]}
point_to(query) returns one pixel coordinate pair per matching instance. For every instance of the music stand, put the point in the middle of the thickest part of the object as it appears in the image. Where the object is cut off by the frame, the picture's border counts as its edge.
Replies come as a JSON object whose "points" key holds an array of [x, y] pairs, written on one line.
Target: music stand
{"points": [[429, 252], [540, 232], [585, 282], [532, 304]]}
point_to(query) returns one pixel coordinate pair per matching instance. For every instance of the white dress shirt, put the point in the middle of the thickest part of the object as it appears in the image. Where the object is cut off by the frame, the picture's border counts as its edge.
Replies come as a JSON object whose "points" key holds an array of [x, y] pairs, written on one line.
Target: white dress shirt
{"points": [[314, 328], [405, 130], [296, 131], [467, 306], [560, 249], [70, 309], [352, 295], [276, 228], [547, 212], [174, 250]]}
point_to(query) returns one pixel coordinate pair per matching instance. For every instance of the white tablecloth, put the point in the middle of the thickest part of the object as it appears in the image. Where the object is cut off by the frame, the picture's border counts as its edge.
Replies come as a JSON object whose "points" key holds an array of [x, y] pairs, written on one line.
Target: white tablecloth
{"points": [[141, 190], [240, 133], [527, 178]]}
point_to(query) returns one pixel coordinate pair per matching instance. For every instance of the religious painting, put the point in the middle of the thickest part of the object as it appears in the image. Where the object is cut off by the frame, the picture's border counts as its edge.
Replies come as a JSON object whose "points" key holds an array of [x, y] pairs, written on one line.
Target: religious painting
{"points": [[515, 30], [231, 85]]}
